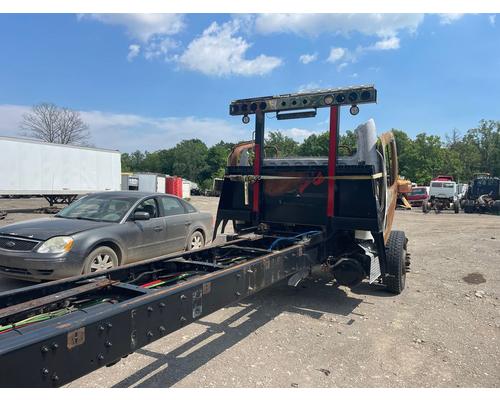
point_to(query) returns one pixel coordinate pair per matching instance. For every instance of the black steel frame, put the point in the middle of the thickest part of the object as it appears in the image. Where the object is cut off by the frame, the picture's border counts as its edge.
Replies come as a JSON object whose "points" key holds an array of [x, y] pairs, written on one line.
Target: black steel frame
{"points": [[57, 351]]}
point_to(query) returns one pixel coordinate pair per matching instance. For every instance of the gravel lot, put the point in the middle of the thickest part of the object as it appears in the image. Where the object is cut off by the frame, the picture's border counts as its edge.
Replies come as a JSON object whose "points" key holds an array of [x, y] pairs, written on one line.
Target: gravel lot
{"points": [[443, 331]]}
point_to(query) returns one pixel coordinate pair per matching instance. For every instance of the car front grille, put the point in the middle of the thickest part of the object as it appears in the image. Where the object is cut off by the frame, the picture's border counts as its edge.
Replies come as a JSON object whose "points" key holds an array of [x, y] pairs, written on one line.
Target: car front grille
{"points": [[17, 244], [18, 271], [24, 271]]}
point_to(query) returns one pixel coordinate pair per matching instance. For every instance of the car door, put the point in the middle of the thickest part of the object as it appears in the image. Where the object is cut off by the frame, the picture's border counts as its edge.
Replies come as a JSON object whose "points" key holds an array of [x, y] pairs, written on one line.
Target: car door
{"points": [[177, 222], [148, 236]]}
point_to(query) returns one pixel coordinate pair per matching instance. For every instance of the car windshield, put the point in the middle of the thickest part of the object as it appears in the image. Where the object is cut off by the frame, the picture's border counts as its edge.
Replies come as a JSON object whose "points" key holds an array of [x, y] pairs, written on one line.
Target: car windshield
{"points": [[418, 191], [99, 208]]}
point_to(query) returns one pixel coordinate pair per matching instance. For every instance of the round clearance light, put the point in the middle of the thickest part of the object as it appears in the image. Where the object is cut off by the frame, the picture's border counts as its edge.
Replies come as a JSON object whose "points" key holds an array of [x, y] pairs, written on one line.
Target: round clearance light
{"points": [[353, 96], [294, 102], [365, 95], [354, 110], [245, 119], [328, 99], [253, 106], [263, 105], [340, 98], [304, 101], [283, 103]]}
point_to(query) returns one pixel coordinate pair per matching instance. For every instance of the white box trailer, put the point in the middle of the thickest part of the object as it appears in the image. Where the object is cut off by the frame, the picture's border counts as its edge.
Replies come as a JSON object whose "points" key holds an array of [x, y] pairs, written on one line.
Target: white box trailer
{"points": [[150, 182], [55, 171], [186, 189]]}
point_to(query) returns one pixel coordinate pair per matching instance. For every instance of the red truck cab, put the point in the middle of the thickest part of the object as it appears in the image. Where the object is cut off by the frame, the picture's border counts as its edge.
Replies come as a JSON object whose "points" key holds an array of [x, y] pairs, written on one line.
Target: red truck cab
{"points": [[417, 195]]}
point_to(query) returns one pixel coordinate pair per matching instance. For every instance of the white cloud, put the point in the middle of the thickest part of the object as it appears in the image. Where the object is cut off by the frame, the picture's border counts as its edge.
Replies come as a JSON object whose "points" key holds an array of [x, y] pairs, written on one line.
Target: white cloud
{"points": [[446, 19], [492, 19], [336, 54], [309, 87], [344, 56], [142, 26], [342, 66], [130, 132], [160, 48], [298, 134], [133, 51], [308, 58], [382, 25], [10, 117], [391, 43], [219, 52]]}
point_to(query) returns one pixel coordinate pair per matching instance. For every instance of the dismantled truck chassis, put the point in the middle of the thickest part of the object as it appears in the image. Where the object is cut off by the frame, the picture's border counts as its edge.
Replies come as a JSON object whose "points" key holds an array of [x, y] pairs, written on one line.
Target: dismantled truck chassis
{"points": [[289, 215]]}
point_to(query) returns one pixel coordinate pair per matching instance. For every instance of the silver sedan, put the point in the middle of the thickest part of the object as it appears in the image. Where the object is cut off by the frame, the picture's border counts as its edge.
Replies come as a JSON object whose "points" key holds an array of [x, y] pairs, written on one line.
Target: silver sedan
{"points": [[101, 231]]}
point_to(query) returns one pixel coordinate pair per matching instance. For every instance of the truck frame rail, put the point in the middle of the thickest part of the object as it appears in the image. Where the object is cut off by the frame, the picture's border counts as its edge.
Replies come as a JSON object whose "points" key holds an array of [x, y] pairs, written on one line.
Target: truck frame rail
{"points": [[56, 332]]}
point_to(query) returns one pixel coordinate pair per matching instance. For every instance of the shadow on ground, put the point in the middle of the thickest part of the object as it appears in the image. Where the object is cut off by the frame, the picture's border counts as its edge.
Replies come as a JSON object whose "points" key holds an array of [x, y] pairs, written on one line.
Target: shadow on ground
{"points": [[314, 299]]}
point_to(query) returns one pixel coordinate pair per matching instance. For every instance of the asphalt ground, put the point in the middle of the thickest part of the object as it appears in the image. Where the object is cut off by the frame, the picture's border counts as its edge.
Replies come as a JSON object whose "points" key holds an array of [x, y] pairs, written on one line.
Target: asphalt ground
{"points": [[442, 331]]}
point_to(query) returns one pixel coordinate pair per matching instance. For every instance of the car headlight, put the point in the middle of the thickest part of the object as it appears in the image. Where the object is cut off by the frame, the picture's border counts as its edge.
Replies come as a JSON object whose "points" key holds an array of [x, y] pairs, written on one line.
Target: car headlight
{"points": [[58, 244]]}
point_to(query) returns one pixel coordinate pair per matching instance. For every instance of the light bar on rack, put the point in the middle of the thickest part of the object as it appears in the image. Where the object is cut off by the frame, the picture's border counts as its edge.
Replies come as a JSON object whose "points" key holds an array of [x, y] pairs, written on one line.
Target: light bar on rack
{"points": [[352, 95]]}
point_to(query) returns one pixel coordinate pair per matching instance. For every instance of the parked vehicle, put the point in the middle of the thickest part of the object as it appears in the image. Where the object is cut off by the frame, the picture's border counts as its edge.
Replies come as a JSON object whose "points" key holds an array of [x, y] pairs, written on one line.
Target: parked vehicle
{"points": [[483, 195], [58, 172], [101, 231], [150, 182], [418, 195], [442, 196]]}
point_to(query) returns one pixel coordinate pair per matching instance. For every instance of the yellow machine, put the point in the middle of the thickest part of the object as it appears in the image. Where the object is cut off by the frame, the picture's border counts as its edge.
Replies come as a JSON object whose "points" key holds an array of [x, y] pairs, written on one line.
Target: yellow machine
{"points": [[404, 187]]}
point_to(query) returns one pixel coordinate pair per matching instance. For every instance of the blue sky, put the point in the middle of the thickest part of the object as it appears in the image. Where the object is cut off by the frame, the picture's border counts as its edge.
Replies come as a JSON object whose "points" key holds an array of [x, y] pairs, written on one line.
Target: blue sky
{"points": [[148, 81]]}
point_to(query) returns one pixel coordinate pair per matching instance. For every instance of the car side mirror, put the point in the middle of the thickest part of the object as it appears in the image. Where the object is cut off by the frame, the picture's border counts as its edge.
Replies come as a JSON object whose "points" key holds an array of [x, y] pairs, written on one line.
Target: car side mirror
{"points": [[141, 216]]}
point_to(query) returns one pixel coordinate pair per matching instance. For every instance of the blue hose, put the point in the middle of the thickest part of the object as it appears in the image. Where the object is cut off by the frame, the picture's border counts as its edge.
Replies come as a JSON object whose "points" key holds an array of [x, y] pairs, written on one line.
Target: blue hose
{"points": [[293, 238]]}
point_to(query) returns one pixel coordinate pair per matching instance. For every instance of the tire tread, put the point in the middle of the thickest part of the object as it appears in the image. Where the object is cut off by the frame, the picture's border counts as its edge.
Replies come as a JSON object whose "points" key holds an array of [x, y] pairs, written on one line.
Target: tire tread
{"points": [[396, 261]]}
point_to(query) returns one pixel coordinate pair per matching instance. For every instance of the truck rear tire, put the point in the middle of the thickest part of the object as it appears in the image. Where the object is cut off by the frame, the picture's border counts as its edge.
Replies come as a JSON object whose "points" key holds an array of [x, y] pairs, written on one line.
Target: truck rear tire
{"points": [[456, 206], [396, 262], [425, 207]]}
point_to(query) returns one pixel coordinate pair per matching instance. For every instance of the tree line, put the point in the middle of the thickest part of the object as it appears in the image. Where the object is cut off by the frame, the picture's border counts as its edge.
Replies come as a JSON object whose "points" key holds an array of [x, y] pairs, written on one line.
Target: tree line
{"points": [[420, 158]]}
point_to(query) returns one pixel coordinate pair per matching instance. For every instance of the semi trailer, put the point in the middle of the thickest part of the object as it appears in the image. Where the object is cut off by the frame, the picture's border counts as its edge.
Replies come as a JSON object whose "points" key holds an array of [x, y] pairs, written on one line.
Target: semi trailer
{"points": [[290, 216], [57, 172]]}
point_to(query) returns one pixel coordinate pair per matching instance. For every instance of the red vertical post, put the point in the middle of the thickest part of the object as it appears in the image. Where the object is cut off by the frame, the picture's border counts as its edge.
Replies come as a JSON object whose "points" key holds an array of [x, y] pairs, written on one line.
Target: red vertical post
{"points": [[332, 158], [256, 185], [258, 161]]}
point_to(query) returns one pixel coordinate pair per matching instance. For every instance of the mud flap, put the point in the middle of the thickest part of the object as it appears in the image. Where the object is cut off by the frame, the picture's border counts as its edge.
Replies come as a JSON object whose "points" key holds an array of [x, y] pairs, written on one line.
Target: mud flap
{"points": [[374, 267], [295, 279]]}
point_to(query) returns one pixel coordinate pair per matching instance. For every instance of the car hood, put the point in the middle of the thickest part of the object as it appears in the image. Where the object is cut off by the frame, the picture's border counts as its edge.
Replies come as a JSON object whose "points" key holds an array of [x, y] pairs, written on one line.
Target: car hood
{"points": [[45, 228]]}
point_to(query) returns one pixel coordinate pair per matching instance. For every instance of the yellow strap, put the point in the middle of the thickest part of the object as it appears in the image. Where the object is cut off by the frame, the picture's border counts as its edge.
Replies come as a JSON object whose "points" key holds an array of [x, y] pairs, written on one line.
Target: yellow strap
{"points": [[276, 177]]}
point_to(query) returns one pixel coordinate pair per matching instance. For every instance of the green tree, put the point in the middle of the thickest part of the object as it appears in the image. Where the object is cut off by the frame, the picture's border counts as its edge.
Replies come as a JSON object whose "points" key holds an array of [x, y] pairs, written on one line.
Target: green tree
{"points": [[315, 145], [286, 146], [487, 139], [403, 145], [217, 159], [189, 160]]}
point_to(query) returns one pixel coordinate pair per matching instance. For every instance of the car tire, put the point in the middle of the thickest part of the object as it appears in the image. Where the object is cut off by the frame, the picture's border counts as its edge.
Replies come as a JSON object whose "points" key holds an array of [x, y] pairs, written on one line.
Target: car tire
{"points": [[396, 262], [196, 241], [100, 259], [425, 207], [456, 206]]}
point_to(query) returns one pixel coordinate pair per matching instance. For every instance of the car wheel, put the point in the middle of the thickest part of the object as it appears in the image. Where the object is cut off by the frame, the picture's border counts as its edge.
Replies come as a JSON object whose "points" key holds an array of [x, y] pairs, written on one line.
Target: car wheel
{"points": [[100, 259], [196, 241]]}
